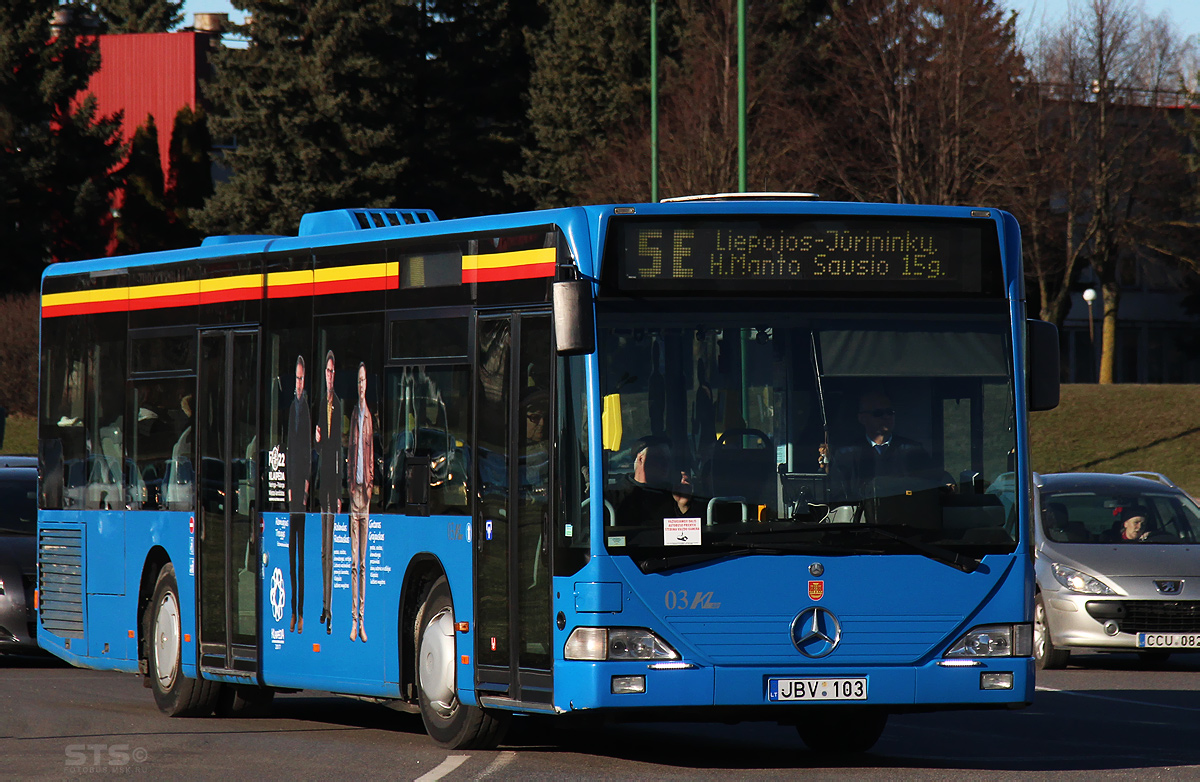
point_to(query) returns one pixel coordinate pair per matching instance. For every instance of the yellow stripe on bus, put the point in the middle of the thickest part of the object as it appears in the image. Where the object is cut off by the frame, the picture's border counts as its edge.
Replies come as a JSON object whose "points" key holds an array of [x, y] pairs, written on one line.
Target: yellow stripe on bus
{"points": [[162, 289], [361, 272], [84, 297], [509, 259]]}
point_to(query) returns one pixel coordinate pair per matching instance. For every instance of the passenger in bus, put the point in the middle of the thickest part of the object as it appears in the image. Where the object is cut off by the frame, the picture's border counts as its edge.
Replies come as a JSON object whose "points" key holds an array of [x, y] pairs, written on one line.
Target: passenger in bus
{"points": [[656, 490], [360, 469], [881, 454], [328, 435], [298, 469]]}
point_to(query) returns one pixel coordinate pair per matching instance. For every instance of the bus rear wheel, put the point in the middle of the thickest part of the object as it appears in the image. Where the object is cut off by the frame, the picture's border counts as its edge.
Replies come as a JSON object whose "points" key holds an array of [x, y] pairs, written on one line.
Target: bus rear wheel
{"points": [[175, 694], [448, 721], [849, 731]]}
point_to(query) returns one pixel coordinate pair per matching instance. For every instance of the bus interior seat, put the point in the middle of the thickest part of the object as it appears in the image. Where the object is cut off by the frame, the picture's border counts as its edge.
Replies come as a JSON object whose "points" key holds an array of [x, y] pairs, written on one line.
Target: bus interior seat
{"points": [[744, 472]]}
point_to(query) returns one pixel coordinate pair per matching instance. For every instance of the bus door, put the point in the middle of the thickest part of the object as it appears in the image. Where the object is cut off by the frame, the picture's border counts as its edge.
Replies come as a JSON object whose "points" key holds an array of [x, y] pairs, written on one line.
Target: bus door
{"points": [[227, 422], [512, 575]]}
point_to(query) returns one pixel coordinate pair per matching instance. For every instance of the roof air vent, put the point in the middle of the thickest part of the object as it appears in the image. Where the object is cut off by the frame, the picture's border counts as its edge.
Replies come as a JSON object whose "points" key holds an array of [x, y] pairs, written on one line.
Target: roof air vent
{"points": [[340, 220]]}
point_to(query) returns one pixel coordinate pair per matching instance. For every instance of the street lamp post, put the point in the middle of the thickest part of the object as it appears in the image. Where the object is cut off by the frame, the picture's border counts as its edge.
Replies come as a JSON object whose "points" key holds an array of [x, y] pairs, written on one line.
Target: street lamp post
{"points": [[1089, 296]]}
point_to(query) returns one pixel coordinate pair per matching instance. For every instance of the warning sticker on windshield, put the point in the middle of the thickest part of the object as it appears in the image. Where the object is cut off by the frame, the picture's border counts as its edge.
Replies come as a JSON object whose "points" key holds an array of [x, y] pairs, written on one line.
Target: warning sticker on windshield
{"points": [[681, 532]]}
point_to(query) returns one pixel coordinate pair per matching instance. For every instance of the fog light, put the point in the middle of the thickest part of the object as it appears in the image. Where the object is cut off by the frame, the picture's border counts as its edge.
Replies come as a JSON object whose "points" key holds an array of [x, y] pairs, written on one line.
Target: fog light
{"points": [[627, 684], [996, 680], [1111, 628]]}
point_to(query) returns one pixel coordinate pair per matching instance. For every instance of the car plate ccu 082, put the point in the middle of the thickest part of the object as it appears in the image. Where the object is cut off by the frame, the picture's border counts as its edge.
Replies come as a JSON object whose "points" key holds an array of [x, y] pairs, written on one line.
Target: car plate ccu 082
{"points": [[845, 688], [1168, 640]]}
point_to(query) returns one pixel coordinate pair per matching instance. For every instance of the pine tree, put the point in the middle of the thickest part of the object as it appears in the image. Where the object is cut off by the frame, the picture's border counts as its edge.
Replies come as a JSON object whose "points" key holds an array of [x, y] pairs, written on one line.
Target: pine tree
{"points": [[472, 123], [189, 174], [143, 225], [591, 62], [138, 16], [55, 157], [319, 106]]}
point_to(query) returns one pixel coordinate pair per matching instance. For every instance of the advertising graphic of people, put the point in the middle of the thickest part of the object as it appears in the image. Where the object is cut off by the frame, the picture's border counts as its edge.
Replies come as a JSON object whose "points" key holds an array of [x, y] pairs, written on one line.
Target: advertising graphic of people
{"points": [[360, 471], [328, 435], [298, 465]]}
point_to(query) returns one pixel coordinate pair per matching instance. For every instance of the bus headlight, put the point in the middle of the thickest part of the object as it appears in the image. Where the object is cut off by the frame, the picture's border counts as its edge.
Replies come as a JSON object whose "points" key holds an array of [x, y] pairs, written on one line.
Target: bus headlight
{"points": [[994, 641], [617, 643]]}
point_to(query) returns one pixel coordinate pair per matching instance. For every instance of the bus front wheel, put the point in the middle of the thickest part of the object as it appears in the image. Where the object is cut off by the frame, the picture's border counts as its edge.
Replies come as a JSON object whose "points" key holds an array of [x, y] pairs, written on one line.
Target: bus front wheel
{"points": [[849, 731], [175, 694], [448, 721]]}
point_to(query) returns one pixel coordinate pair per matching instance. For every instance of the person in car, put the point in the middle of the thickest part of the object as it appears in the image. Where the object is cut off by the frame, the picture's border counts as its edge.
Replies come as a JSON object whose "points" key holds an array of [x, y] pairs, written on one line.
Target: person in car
{"points": [[1134, 526]]}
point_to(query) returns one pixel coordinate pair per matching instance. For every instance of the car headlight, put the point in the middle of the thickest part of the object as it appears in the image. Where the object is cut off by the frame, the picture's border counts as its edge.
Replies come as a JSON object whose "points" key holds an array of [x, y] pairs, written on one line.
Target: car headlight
{"points": [[994, 641], [617, 643], [1078, 581]]}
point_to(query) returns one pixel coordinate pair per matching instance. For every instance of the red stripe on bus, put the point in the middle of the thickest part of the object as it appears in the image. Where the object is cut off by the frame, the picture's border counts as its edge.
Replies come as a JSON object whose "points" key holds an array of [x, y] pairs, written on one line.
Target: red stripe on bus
{"points": [[233, 294], [357, 285], [276, 291], [84, 308], [174, 300], [505, 273]]}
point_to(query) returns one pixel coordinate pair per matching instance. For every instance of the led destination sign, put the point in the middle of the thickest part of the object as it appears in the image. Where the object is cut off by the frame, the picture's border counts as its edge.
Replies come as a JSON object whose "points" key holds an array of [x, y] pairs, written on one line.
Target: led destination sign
{"points": [[797, 253]]}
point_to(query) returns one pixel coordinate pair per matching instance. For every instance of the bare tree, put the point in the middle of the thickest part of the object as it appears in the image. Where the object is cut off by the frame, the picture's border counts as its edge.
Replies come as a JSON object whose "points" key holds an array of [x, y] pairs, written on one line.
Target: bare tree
{"points": [[1109, 73], [922, 103]]}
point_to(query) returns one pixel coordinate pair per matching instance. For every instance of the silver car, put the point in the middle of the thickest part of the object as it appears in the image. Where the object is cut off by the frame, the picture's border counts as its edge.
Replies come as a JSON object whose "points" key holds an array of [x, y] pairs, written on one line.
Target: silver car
{"points": [[1118, 566]]}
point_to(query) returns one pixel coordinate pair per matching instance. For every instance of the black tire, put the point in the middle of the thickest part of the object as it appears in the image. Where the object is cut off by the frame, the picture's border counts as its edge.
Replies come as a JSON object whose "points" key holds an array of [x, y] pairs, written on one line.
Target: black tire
{"points": [[244, 700], [842, 730], [1047, 656], [175, 694], [1153, 659], [448, 721]]}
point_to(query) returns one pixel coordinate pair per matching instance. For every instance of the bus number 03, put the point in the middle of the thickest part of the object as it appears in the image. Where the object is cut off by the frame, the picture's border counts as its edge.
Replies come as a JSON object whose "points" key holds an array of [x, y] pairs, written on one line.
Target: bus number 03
{"points": [[681, 599]]}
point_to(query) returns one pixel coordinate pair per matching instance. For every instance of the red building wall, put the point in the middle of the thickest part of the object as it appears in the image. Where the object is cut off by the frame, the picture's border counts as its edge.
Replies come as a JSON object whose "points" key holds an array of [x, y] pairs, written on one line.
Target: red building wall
{"points": [[151, 74]]}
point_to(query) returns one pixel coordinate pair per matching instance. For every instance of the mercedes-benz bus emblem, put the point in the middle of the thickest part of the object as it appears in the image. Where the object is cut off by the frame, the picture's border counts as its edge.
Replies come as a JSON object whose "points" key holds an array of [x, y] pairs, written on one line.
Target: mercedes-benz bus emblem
{"points": [[816, 632]]}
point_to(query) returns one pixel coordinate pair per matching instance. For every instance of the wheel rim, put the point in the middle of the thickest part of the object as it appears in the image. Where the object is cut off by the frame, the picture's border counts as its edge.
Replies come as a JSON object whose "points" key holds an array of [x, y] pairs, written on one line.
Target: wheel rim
{"points": [[1040, 635], [437, 663], [166, 641]]}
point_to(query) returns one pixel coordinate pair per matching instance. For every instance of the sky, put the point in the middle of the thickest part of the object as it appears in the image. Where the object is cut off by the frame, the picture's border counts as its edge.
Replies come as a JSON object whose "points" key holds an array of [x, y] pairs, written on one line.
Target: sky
{"points": [[1185, 14]]}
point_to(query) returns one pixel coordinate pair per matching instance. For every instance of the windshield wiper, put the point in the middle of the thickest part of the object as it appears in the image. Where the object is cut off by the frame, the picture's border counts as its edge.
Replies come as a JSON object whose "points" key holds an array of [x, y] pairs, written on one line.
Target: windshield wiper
{"points": [[936, 553], [741, 549]]}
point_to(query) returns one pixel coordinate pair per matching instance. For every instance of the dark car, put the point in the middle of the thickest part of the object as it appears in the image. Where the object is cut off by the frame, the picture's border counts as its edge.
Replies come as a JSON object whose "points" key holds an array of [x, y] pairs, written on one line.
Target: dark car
{"points": [[18, 553]]}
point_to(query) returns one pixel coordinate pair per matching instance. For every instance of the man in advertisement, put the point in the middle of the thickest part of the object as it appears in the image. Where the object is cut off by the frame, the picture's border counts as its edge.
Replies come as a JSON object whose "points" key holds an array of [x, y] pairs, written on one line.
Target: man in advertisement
{"points": [[329, 483]]}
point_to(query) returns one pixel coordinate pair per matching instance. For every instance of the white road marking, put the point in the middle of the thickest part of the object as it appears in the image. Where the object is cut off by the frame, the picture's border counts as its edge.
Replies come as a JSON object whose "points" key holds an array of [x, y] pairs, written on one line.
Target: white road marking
{"points": [[502, 760], [445, 767], [1118, 700]]}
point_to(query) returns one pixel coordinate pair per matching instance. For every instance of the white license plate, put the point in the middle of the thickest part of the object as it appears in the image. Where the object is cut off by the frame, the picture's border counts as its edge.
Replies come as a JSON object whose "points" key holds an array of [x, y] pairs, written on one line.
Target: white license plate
{"points": [[1168, 640], [814, 689]]}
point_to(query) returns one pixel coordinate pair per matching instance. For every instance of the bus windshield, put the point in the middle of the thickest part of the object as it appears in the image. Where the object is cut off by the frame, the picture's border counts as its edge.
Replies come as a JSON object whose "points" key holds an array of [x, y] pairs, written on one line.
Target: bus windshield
{"points": [[749, 428]]}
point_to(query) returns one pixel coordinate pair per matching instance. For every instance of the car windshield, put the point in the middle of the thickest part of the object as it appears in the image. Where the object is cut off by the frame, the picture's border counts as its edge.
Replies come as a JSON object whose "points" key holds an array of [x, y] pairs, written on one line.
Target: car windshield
{"points": [[18, 506], [750, 427], [1119, 517]]}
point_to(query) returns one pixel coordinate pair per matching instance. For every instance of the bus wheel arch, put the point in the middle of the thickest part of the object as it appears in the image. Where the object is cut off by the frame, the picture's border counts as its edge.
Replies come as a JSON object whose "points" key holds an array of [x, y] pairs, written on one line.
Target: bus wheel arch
{"points": [[175, 694], [448, 721]]}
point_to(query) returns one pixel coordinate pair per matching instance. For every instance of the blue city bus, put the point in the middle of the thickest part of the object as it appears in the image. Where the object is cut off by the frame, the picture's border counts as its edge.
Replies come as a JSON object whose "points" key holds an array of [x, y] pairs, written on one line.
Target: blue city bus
{"points": [[718, 458]]}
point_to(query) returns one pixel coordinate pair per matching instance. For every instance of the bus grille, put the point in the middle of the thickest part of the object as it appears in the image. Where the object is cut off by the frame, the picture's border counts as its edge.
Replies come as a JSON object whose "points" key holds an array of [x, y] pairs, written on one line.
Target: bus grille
{"points": [[1160, 616], [60, 580], [866, 638]]}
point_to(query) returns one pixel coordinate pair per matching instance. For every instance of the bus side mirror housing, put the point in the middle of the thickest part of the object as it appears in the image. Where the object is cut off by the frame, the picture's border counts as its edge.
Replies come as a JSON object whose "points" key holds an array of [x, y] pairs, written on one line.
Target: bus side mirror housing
{"points": [[1042, 356], [574, 318]]}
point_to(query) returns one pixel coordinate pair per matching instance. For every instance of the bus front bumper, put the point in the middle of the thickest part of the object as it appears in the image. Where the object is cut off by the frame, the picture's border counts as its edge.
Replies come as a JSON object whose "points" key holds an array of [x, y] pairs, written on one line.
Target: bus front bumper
{"points": [[995, 682]]}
